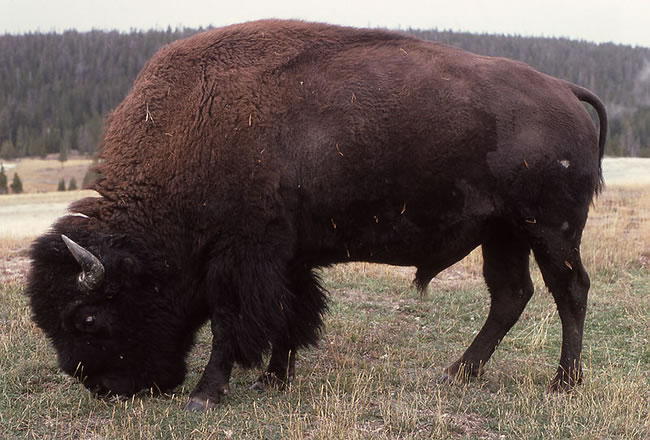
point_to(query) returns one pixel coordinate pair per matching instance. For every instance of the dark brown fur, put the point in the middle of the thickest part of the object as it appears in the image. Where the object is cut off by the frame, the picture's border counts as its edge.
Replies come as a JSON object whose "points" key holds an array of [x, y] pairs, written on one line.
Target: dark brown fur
{"points": [[245, 157]]}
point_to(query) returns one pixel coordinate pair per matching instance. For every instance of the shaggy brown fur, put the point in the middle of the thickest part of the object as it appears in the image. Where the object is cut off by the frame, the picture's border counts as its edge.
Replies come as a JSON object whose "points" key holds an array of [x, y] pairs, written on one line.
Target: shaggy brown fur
{"points": [[245, 157]]}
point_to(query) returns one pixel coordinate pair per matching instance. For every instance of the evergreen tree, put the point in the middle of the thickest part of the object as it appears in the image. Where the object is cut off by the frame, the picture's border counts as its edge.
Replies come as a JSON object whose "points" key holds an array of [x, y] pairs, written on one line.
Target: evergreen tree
{"points": [[74, 139], [3, 180], [8, 151], [53, 141], [73, 184], [36, 146], [90, 177], [63, 152], [56, 88], [21, 142], [16, 185], [61, 186]]}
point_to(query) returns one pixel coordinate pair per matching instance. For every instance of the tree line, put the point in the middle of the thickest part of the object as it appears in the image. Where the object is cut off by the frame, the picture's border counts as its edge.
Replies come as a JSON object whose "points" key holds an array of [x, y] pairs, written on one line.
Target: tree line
{"points": [[56, 88]]}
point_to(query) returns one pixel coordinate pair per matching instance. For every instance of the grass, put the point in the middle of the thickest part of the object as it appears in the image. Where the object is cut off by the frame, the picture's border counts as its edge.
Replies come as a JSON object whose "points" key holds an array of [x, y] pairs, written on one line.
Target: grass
{"points": [[24, 215], [43, 175], [374, 374]]}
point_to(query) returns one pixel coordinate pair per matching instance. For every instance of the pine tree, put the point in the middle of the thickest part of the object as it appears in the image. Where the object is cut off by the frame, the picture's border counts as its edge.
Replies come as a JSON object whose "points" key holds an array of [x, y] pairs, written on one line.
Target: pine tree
{"points": [[16, 185], [74, 139], [90, 177], [63, 152], [38, 113], [21, 141], [36, 146], [72, 186], [8, 150], [61, 186], [3, 180]]}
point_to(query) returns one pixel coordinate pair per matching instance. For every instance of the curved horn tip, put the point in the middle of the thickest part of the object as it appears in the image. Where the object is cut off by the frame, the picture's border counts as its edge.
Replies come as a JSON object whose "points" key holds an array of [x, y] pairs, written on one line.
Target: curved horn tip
{"points": [[92, 269], [67, 241]]}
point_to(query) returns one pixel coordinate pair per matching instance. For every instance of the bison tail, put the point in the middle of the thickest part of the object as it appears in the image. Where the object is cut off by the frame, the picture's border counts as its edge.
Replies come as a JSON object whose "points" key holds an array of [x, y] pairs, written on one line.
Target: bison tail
{"points": [[589, 97]]}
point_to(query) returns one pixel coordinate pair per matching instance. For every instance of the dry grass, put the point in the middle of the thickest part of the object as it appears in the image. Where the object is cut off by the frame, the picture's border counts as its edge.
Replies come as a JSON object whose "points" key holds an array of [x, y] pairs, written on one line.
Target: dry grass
{"points": [[43, 175], [374, 374], [29, 215], [617, 235]]}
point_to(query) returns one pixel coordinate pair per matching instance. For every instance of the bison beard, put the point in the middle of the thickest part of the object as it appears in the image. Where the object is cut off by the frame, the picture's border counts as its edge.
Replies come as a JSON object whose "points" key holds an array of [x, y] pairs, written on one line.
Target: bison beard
{"points": [[247, 157]]}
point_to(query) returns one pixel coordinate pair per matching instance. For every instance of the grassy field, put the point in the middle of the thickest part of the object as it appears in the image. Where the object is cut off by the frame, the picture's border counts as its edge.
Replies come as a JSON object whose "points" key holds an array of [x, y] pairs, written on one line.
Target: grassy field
{"points": [[374, 374], [43, 175], [24, 215]]}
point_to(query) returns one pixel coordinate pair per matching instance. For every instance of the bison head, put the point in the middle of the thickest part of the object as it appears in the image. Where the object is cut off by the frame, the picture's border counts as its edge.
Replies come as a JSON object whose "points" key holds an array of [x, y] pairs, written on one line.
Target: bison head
{"points": [[111, 318]]}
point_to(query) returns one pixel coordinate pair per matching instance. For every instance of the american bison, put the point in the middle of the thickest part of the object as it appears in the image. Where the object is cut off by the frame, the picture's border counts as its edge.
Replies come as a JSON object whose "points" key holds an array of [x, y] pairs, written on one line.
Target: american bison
{"points": [[247, 157]]}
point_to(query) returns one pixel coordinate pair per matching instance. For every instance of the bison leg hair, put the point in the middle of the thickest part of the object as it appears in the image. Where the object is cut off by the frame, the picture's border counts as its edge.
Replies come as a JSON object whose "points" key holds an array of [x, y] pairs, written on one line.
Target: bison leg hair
{"points": [[308, 303], [214, 381], [507, 276], [561, 266]]}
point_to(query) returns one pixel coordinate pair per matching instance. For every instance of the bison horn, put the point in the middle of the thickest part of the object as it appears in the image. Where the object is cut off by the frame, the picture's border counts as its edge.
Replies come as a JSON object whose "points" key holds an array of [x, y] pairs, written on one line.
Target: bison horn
{"points": [[92, 270]]}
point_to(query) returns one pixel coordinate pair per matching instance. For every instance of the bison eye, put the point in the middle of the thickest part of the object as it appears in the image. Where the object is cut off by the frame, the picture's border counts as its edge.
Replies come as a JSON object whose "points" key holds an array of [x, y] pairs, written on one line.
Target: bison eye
{"points": [[89, 321]]}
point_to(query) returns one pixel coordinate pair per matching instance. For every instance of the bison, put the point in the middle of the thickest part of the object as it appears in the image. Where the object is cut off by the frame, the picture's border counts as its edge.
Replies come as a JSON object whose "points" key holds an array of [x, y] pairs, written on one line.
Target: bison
{"points": [[245, 158]]}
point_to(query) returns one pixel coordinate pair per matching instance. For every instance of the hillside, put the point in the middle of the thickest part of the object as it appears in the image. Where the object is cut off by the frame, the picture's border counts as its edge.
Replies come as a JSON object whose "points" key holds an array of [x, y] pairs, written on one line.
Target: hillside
{"points": [[55, 89]]}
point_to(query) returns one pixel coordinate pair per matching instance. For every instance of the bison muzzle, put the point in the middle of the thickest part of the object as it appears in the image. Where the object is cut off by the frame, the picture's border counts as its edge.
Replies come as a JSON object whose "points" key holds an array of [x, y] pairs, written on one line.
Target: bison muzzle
{"points": [[246, 158]]}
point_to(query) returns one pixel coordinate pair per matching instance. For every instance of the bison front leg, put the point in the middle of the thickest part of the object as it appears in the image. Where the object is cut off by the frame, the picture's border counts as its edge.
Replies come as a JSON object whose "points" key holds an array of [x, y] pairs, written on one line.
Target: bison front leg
{"points": [[214, 381]]}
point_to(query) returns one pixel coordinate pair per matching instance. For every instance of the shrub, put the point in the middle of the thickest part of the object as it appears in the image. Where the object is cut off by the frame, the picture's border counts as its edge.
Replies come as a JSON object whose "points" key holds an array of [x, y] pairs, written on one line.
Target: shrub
{"points": [[7, 150], [3, 180], [16, 185]]}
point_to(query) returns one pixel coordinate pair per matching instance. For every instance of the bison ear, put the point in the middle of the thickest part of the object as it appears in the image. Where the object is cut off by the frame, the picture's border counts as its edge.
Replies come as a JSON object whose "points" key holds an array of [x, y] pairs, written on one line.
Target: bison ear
{"points": [[92, 270]]}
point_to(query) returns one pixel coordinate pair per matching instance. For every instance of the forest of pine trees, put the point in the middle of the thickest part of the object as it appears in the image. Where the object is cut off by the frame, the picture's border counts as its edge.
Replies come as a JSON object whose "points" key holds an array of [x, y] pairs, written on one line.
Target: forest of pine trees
{"points": [[55, 89]]}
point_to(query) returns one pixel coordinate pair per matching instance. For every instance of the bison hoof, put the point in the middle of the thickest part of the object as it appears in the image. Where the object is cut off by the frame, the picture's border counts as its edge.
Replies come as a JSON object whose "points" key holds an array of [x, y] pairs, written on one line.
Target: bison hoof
{"points": [[446, 379], [272, 380], [565, 381], [460, 373], [201, 403]]}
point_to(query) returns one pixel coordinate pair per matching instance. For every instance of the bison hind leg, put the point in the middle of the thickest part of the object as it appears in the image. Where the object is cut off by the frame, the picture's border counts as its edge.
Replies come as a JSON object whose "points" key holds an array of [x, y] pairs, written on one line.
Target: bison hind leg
{"points": [[304, 323], [506, 273], [566, 278]]}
